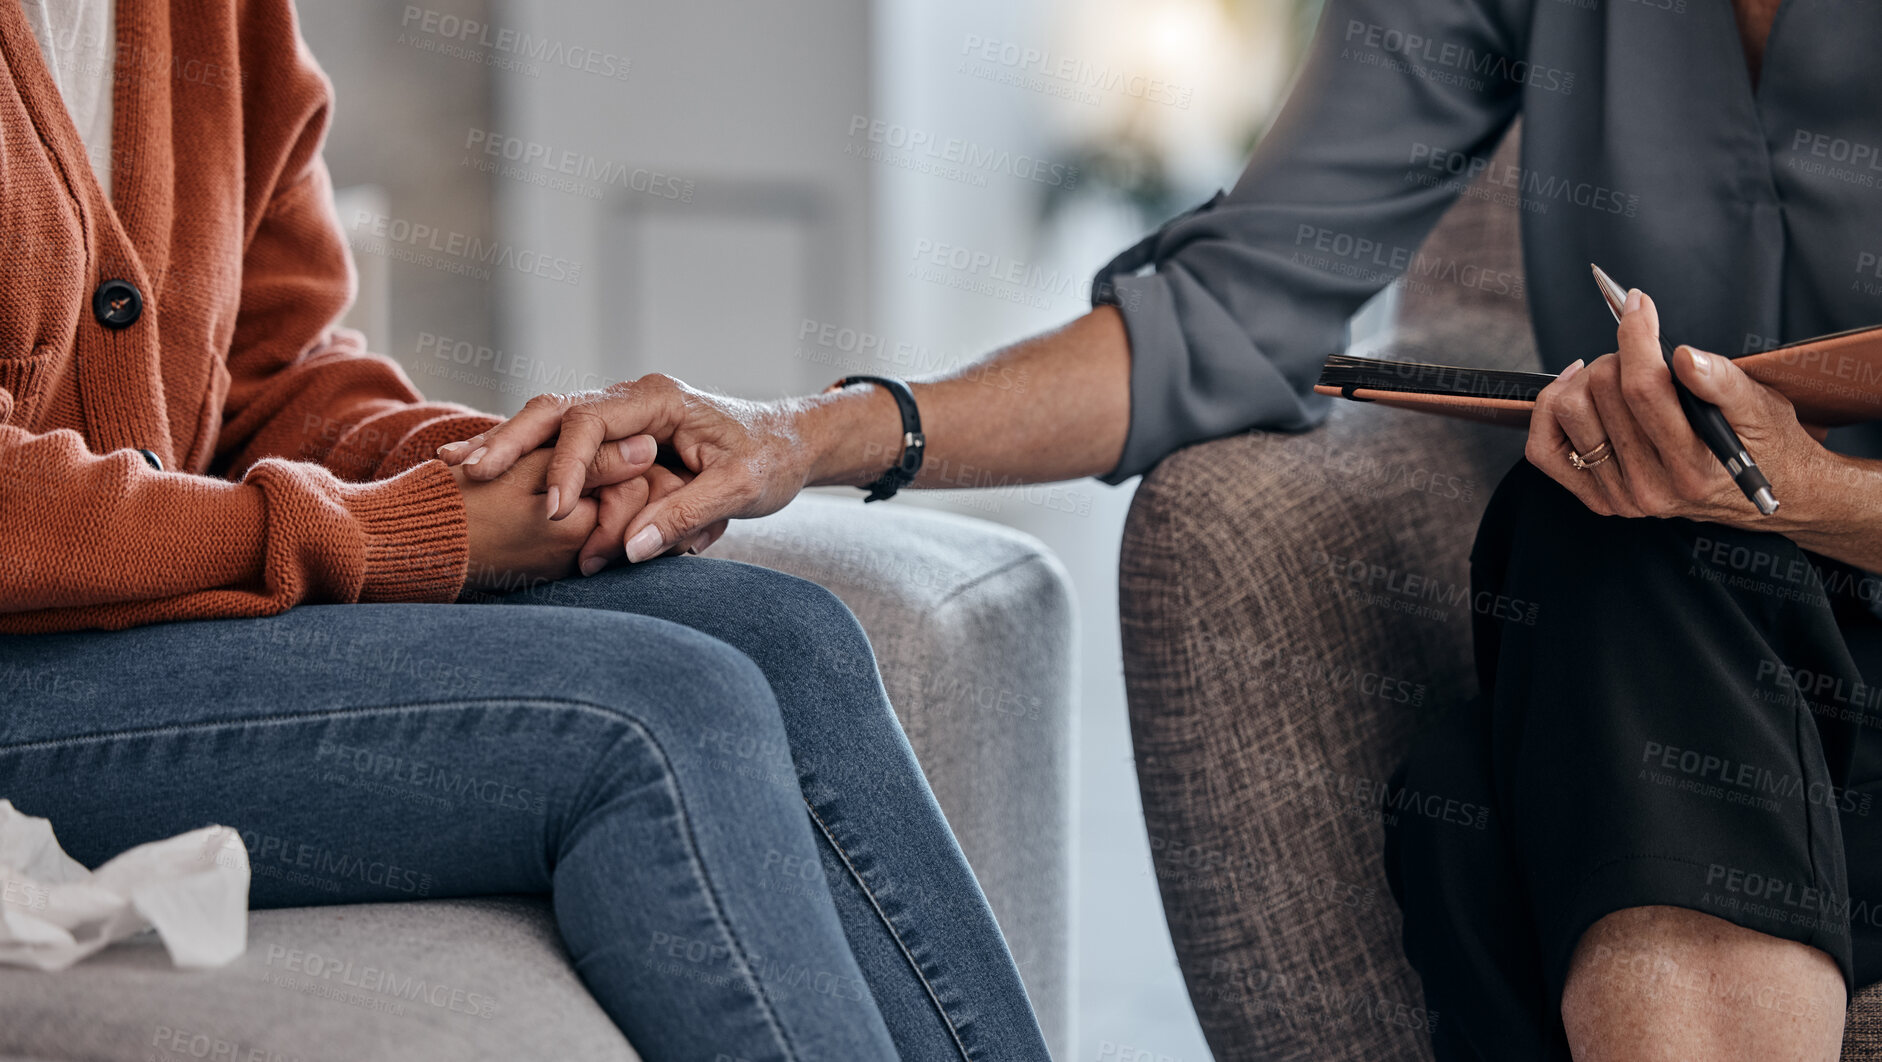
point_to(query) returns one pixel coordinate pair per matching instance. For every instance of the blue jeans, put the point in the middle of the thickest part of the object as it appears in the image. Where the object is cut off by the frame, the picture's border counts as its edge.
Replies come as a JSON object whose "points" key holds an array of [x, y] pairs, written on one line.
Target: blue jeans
{"points": [[695, 758]]}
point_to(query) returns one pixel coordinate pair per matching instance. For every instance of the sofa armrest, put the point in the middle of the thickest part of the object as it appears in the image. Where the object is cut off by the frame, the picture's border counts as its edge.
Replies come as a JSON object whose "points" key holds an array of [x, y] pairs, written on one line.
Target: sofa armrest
{"points": [[972, 626], [1295, 608]]}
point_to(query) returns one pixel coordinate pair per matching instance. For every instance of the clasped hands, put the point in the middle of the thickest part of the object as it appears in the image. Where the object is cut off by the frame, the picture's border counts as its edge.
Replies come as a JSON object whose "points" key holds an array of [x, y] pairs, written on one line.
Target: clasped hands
{"points": [[599, 496], [514, 542]]}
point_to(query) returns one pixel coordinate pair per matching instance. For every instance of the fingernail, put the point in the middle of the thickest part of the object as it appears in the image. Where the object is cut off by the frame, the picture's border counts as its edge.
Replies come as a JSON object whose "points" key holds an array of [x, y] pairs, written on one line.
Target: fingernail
{"points": [[643, 545], [592, 565], [1633, 301], [555, 501], [1701, 361], [1573, 368], [477, 455], [637, 451], [450, 446]]}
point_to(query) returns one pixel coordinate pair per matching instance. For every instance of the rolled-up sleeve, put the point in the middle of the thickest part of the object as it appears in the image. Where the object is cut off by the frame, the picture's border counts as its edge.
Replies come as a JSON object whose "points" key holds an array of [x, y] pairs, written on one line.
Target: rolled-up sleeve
{"points": [[1232, 308]]}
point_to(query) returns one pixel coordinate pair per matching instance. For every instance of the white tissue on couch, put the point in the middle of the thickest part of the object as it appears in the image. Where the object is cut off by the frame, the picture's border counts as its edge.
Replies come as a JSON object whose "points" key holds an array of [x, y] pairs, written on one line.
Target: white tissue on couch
{"points": [[192, 889]]}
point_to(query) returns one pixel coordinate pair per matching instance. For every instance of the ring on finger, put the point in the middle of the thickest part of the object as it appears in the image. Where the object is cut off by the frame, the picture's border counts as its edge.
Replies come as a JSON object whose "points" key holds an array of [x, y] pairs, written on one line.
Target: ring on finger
{"points": [[1596, 456]]}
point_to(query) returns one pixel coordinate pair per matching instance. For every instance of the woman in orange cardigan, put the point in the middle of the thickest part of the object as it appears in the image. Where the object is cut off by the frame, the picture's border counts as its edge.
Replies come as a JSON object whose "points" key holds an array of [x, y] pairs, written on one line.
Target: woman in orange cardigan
{"points": [[228, 586]]}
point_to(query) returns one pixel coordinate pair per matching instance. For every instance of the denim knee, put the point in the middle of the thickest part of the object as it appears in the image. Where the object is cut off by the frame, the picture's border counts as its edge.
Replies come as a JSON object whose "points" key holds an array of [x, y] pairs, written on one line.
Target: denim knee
{"points": [[674, 681], [765, 613], [796, 629], [812, 621]]}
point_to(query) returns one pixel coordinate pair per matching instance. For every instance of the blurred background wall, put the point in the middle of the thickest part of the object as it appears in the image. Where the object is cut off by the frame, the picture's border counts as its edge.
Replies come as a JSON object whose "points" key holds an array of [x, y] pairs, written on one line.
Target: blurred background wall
{"points": [[759, 198]]}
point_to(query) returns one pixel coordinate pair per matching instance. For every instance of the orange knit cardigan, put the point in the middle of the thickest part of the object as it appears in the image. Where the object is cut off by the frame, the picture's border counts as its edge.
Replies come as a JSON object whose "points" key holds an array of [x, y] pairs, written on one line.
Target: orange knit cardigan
{"points": [[296, 465]]}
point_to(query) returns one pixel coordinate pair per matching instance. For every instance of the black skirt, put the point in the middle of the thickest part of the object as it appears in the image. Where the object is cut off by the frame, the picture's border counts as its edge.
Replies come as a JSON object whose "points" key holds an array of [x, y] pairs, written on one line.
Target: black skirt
{"points": [[1683, 716]]}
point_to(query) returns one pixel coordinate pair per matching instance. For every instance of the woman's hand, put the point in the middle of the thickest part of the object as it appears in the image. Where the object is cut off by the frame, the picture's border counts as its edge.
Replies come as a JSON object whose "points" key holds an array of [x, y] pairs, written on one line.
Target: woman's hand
{"points": [[621, 502], [1659, 466], [744, 457], [513, 544]]}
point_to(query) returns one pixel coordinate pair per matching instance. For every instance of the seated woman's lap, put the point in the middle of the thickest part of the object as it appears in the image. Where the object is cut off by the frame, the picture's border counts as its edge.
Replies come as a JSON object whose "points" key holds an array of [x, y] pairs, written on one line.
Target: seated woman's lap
{"points": [[1640, 739], [808, 645], [636, 768], [422, 726], [328, 701], [616, 740]]}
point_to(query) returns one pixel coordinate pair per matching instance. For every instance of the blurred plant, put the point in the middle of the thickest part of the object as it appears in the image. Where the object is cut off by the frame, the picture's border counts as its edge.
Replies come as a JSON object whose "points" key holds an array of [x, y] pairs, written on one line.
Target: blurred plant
{"points": [[1223, 67]]}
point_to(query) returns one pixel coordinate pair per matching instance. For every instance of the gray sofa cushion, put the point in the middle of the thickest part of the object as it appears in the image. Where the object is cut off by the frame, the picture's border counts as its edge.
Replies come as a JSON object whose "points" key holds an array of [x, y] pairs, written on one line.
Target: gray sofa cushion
{"points": [[441, 979]]}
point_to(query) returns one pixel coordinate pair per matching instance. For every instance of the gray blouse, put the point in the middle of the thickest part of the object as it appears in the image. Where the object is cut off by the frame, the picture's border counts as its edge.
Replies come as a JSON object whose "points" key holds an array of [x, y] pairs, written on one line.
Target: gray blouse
{"points": [[1753, 217]]}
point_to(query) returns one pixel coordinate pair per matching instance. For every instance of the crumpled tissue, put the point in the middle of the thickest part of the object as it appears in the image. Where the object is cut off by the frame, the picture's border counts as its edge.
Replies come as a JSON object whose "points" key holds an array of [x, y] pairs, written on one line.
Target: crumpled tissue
{"points": [[192, 889]]}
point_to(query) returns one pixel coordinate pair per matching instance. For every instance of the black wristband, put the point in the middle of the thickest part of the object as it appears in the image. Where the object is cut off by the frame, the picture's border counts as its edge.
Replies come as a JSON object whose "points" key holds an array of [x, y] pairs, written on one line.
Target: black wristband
{"points": [[914, 444]]}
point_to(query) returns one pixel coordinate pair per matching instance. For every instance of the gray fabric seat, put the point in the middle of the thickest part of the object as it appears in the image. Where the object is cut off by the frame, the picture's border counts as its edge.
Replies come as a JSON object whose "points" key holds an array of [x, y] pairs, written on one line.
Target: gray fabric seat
{"points": [[972, 624], [1272, 690], [480, 978]]}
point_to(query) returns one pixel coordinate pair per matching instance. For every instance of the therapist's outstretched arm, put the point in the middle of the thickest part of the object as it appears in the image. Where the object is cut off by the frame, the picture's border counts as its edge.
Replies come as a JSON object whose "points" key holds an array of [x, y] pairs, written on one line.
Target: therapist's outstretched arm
{"points": [[1054, 407]]}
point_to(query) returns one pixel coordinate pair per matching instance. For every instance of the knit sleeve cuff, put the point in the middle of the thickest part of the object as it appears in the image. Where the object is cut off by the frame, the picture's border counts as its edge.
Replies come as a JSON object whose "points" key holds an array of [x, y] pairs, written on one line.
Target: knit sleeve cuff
{"points": [[417, 542], [422, 442]]}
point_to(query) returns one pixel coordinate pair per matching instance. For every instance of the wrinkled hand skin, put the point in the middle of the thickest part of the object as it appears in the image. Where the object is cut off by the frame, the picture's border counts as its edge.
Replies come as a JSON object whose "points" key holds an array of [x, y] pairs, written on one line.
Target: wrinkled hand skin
{"points": [[622, 502], [740, 459], [1660, 467]]}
